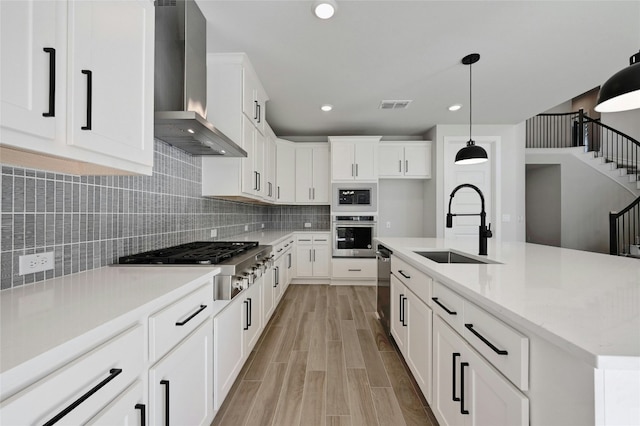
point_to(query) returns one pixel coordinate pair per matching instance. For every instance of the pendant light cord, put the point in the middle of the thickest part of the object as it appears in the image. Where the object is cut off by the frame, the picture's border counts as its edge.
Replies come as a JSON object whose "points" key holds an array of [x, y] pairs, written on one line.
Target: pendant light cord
{"points": [[470, 104]]}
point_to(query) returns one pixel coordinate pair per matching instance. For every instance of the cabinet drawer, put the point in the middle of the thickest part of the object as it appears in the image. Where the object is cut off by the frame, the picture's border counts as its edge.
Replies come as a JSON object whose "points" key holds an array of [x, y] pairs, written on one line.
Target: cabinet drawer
{"points": [[107, 370], [304, 240], [321, 239], [449, 305], [355, 268], [173, 323], [418, 282], [501, 345]]}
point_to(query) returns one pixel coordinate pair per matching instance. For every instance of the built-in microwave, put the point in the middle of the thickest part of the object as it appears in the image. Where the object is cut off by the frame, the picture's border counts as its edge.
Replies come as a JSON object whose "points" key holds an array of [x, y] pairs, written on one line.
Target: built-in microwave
{"points": [[354, 197]]}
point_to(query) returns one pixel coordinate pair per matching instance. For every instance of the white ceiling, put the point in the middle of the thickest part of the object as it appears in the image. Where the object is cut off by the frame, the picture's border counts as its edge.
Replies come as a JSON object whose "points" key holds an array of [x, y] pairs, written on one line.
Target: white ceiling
{"points": [[534, 56]]}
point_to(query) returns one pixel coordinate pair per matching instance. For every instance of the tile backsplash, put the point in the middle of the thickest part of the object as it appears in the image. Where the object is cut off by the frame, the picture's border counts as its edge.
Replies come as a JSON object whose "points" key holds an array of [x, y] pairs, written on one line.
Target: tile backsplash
{"points": [[90, 221]]}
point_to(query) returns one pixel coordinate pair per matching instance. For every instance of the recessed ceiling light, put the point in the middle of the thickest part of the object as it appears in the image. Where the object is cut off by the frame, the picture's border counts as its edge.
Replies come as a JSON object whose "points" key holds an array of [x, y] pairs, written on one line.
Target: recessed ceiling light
{"points": [[455, 107], [190, 131], [326, 107], [324, 9]]}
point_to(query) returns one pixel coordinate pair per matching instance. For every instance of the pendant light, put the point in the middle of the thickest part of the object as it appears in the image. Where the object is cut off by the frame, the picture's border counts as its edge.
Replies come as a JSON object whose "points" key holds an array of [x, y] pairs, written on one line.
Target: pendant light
{"points": [[622, 91], [472, 153]]}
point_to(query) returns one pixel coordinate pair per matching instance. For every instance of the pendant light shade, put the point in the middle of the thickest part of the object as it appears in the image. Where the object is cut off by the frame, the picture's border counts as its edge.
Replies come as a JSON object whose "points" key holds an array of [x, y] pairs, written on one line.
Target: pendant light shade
{"points": [[472, 153], [622, 91]]}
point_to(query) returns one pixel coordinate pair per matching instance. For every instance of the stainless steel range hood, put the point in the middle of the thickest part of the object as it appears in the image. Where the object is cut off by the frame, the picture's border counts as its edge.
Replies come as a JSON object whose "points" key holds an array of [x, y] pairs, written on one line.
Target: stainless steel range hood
{"points": [[181, 82]]}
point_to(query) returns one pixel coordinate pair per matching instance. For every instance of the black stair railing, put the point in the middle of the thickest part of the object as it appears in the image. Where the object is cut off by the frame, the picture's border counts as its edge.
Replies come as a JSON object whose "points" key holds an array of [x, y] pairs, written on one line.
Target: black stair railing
{"points": [[561, 130], [624, 230]]}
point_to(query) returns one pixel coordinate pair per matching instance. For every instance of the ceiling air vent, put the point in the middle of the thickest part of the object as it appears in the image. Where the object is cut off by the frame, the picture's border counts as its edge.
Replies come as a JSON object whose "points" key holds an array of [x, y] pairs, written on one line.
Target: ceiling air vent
{"points": [[394, 104]]}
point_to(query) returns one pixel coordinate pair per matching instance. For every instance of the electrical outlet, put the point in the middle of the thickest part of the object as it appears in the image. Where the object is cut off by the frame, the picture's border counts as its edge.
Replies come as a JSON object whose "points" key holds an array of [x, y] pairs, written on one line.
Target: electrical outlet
{"points": [[307, 224], [262, 225], [30, 263], [388, 225], [214, 233], [246, 227]]}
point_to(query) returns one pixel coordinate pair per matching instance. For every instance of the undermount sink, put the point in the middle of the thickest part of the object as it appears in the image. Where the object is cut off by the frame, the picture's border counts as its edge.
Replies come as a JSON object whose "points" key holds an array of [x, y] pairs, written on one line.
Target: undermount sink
{"points": [[450, 257]]}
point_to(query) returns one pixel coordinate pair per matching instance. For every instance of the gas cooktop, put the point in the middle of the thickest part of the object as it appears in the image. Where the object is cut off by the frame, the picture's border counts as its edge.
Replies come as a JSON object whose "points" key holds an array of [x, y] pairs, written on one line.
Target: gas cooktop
{"points": [[195, 253]]}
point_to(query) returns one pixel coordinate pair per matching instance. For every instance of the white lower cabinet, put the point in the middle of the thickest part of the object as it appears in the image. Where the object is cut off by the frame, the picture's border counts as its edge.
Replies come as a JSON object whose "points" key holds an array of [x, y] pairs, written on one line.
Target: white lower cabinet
{"points": [[78, 392], [267, 296], [313, 256], [228, 355], [252, 316], [411, 325], [126, 409], [181, 383], [467, 389]]}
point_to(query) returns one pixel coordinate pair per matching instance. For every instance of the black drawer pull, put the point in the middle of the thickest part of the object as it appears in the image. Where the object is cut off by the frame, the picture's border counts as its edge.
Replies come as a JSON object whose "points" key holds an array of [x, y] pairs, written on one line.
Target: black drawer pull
{"points": [[403, 274], [166, 401], [52, 82], [255, 110], [246, 315], [143, 413], [486, 342], [462, 366], [89, 75], [250, 313], [355, 270], [112, 375], [202, 308], [453, 363], [435, 299]]}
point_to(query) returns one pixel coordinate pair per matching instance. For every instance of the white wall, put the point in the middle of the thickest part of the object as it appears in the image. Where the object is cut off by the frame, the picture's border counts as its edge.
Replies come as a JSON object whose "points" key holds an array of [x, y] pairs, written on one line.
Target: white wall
{"points": [[401, 205], [627, 122], [587, 197], [511, 172]]}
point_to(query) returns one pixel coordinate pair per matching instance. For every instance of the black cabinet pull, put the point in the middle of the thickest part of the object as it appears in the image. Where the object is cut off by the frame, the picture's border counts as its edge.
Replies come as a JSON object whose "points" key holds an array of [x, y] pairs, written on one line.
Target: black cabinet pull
{"points": [[250, 313], [289, 260], [278, 192], [401, 309], [246, 315], [165, 383], [453, 374], [404, 275], [89, 75], [52, 82], [404, 312], [255, 180], [462, 366], [485, 341], [255, 110], [202, 308], [450, 312], [259, 112], [143, 413], [113, 373]]}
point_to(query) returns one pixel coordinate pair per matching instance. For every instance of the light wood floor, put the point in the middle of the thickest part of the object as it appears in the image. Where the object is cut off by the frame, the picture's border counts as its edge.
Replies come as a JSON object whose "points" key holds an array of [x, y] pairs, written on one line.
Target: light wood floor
{"points": [[324, 360]]}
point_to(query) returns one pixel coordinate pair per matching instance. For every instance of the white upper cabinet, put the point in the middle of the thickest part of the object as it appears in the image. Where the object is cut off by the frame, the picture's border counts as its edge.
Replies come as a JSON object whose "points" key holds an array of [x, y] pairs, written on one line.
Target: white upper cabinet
{"points": [[285, 172], [354, 157], [236, 105], [312, 174], [405, 160], [270, 161], [75, 89]]}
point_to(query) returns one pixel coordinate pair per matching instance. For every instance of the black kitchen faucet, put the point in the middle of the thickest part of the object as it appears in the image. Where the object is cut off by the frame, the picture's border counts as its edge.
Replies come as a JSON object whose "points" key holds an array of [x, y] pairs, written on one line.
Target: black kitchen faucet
{"points": [[484, 231]]}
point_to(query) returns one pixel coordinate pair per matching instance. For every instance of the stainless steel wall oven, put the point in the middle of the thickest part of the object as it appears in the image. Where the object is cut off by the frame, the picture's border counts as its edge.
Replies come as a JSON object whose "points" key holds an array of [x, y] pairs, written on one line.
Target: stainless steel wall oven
{"points": [[353, 236]]}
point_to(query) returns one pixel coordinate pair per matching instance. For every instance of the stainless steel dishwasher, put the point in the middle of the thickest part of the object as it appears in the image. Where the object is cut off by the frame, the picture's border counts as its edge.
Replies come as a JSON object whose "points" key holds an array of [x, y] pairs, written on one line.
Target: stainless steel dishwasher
{"points": [[383, 255]]}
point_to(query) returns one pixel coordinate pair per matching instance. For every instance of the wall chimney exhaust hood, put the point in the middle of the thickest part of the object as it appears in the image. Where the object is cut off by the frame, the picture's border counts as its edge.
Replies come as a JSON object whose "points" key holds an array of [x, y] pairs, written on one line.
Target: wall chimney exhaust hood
{"points": [[181, 82]]}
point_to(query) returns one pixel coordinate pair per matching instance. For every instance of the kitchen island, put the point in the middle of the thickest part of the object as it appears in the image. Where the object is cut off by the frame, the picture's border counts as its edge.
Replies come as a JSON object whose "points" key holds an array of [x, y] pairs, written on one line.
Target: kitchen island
{"points": [[578, 312]]}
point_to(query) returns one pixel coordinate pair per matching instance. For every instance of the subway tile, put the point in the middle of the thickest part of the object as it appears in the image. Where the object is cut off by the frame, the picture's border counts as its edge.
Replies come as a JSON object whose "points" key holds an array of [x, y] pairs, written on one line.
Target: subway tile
{"points": [[7, 192]]}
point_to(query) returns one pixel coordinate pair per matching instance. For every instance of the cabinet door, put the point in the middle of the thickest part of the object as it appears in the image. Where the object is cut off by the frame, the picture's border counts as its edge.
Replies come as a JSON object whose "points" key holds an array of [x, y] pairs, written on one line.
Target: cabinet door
{"points": [[447, 352], [127, 409], [366, 167], [111, 78], [321, 175], [267, 298], [249, 176], [278, 284], [304, 264], [249, 95], [321, 258], [27, 29], [285, 173], [342, 161], [270, 169], [391, 160], [228, 355], [489, 398], [398, 310], [258, 164], [181, 383], [304, 174], [417, 161], [251, 316], [419, 342]]}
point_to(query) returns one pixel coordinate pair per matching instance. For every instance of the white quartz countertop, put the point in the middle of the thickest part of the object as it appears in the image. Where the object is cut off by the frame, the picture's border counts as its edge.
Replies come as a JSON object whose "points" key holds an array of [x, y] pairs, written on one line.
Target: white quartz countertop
{"points": [[586, 303], [36, 318]]}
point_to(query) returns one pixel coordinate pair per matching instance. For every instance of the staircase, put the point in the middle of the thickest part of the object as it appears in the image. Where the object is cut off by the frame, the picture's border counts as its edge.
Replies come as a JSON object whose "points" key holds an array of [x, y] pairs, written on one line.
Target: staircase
{"points": [[607, 150]]}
